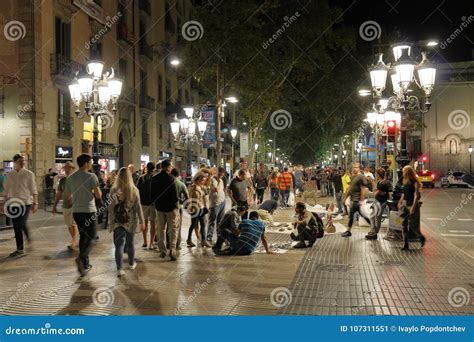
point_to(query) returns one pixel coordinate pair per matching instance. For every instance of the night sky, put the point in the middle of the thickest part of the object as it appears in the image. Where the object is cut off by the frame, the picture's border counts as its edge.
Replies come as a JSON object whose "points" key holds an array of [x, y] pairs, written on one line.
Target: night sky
{"points": [[417, 20]]}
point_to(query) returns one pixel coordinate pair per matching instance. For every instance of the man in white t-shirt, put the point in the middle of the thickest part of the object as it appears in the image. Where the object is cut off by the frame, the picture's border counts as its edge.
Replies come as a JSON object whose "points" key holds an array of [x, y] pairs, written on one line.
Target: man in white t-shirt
{"points": [[22, 196]]}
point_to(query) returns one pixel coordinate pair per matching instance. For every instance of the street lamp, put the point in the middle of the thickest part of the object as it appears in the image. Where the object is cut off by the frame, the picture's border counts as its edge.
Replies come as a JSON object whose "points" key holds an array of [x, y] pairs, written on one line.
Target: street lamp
{"points": [[470, 159], [256, 155], [359, 150], [188, 128], [402, 75], [97, 90]]}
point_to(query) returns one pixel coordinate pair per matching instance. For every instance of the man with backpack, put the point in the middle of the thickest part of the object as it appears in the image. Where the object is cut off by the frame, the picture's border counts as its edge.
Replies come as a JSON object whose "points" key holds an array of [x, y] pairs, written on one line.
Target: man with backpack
{"points": [[149, 211]]}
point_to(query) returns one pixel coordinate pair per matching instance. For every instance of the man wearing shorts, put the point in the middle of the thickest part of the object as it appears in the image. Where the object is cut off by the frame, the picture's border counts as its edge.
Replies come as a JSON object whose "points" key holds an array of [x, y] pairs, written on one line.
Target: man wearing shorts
{"points": [[67, 207]]}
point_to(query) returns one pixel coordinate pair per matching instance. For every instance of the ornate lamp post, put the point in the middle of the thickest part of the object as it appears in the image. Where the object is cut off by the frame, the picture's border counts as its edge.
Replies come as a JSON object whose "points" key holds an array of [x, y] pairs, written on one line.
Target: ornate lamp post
{"points": [[402, 75], [97, 90], [188, 128]]}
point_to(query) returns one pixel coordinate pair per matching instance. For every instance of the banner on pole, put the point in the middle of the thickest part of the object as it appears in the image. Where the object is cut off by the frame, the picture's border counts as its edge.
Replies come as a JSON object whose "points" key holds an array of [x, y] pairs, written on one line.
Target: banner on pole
{"points": [[209, 137], [244, 144]]}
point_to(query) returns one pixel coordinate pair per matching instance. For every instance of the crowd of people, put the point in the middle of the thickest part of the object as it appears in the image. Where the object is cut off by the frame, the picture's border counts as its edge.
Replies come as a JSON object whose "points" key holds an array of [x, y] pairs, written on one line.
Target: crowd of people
{"points": [[153, 202]]}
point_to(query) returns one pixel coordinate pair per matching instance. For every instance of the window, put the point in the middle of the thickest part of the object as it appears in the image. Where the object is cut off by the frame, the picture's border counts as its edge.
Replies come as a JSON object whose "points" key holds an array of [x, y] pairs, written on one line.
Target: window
{"points": [[161, 131], [168, 90], [64, 115], [123, 69], [95, 50], [160, 88], [63, 38], [143, 85]]}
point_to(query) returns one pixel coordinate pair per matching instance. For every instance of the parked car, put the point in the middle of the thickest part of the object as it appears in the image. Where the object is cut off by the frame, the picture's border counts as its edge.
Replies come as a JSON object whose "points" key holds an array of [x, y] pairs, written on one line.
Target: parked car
{"points": [[426, 178], [455, 178]]}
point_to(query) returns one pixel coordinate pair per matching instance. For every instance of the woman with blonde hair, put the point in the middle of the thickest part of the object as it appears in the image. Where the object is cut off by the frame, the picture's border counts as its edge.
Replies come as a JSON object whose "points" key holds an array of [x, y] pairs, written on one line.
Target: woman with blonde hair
{"points": [[197, 208], [409, 206], [125, 214]]}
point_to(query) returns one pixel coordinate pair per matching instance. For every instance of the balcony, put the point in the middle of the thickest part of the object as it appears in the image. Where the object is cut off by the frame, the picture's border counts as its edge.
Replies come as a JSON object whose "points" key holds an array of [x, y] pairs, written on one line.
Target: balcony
{"points": [[64, 69], [145, 6], [145, 139], [147, 102], [124, 34], [145, 49]]}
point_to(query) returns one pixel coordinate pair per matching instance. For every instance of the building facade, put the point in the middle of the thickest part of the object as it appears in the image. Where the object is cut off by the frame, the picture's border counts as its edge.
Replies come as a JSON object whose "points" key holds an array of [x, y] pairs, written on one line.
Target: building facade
{"points": [[449, 125], [47, 43]]}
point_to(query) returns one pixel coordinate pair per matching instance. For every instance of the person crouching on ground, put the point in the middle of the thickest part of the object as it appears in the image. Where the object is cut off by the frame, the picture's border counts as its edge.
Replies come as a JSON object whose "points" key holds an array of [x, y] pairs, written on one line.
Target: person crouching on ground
{"points": [[266, 210], [125, 214], [229, 225], [306, 225]]}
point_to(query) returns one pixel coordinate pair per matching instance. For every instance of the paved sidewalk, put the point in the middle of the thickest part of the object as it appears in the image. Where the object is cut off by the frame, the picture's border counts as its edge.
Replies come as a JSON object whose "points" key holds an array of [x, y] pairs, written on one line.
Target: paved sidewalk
{"points": [[337, 276]]}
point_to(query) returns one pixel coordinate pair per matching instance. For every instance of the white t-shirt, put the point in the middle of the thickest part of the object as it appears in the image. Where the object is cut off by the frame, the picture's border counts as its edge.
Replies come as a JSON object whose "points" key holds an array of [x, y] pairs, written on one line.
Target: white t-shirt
{"points": [[21, 185]]}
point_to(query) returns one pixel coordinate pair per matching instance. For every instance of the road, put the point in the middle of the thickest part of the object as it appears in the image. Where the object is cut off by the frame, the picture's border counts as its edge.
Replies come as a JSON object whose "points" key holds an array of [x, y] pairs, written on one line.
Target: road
{"points": [[450, 213]]}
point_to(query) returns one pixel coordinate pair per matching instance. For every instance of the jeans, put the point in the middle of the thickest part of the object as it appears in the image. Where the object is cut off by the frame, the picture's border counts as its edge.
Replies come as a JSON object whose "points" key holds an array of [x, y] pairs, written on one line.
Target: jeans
{"points": [[260, 193], [236, 246], [86, 225], [411, 222], [19, 215], [339, 201], [199, 218], [284, 196], [376, 218], [123, 238], [215, 214], [274, 194], [324, 188], [167, 223], [355, 208]]}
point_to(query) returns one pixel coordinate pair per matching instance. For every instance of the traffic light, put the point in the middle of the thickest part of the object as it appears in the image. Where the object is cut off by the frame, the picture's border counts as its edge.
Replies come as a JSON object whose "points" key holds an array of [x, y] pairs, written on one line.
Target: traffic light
{"points": [[391, 130], [424, 159]]}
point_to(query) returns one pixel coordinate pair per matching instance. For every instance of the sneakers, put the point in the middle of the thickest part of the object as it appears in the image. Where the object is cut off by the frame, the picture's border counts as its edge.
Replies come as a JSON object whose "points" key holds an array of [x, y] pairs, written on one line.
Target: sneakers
{"points": [[204, 243], [80, 266], [300, 245], [120, 273], [422, 241], [173, 254], [346, 234], [190, 243], [133, 266], [371, 236], [17, 254], [162, 255]]}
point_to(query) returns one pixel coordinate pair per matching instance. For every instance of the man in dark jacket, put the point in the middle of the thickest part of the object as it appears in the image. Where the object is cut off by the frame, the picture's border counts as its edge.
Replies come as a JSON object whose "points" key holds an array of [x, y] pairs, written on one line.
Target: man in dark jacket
{"points": [[165, 197], [149, 211]]}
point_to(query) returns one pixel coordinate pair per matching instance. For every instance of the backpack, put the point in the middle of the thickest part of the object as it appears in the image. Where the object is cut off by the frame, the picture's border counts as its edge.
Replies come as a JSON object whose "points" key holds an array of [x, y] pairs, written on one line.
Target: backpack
{"points": [[319, 225], [121, 212]]}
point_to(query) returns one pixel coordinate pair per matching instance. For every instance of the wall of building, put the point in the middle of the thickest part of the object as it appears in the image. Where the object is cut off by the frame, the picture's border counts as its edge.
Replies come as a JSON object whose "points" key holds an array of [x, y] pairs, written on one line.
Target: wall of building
{"points": [[449, 124]]}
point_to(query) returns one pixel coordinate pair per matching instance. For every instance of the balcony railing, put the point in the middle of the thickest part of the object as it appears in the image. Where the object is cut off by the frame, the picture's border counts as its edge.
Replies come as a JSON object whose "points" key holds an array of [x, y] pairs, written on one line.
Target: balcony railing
{"points": [[62, 66], [145, 139], [145, 6], [147, 102]]}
